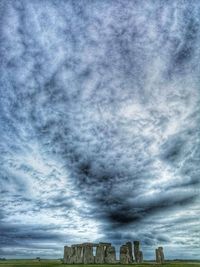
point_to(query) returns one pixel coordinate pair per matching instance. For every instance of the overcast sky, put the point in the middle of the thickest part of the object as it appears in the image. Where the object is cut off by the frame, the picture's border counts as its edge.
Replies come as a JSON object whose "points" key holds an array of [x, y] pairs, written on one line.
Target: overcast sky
{"points": [[99, 125]]}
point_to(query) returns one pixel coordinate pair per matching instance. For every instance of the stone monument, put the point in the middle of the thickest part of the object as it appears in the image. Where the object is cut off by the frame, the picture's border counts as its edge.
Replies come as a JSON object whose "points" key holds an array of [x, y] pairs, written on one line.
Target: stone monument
{"points": [[137, 251], [110, 255], [129, 245], [83, 253], [160, 255], [140, 256]]}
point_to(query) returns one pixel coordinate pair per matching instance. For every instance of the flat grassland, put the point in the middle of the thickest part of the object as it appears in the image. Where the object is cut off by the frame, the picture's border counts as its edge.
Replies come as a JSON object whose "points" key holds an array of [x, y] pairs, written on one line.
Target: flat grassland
{"points": [[58, 263]]}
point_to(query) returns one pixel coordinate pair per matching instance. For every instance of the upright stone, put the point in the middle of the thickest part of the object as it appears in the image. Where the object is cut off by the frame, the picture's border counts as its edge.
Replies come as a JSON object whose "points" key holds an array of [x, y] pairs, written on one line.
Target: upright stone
{"points": [[67, 254], [124, 254], [73, 256], [160, 255], [136, 251], [88, 256], [157, 256], [140, 256], [129, 245], [110, 255], [100, 254], [79, 254]]}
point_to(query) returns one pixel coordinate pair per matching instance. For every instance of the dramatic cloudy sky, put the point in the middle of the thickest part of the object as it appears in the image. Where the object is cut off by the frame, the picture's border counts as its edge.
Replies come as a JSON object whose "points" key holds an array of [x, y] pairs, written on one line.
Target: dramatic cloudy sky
{"points": [[99, 125]]}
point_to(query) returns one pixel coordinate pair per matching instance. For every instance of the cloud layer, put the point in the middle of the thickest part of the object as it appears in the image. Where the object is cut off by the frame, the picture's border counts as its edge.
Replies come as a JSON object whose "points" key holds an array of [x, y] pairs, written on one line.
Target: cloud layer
{"points": [[99, 125]]}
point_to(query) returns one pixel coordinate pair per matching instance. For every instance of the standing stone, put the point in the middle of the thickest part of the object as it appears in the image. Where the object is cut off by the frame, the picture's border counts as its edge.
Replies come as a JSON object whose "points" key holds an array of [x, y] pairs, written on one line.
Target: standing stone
{"points": [[67, 254], [110, 255], [83, 253], [124, 254], [88, 256], [103, 252], [136, 251], [129, 245], [73, 256], [79, 254], [140, 256], [100, 254], [157, 256], [160, 255], [76, 257]]}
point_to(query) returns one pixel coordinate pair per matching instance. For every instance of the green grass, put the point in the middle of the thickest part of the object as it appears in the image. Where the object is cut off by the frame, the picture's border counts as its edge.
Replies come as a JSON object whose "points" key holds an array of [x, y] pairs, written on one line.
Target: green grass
{"points": [[57, 263]]}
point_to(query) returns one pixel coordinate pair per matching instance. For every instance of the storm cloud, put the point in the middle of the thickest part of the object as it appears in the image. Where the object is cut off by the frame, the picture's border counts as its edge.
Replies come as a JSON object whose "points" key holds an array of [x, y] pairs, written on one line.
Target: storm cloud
{"points": [[99, 125]]}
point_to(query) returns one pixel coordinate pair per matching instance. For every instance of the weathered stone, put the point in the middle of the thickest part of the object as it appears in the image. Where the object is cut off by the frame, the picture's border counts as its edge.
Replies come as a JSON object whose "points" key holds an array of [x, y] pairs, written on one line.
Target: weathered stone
{"points": [[88, 244], [79, 254], [104, 244], [157, 256], [68, 254], [160, 255], [75, 254], [124, 254], [110, 255], [88, 256], [73, 257], [136, 251], [129, 245], [140, 256], [105, 253], [100, 254]]}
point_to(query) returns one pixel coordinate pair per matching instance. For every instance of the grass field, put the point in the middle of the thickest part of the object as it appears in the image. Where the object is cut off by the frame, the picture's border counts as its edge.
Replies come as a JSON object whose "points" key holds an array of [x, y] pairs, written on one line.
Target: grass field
{"points": [[57, 263]]}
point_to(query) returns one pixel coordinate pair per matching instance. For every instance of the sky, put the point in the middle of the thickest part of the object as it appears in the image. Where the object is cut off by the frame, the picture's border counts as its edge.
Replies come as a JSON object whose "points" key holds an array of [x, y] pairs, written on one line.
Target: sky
{"points": [[99, 125]]}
